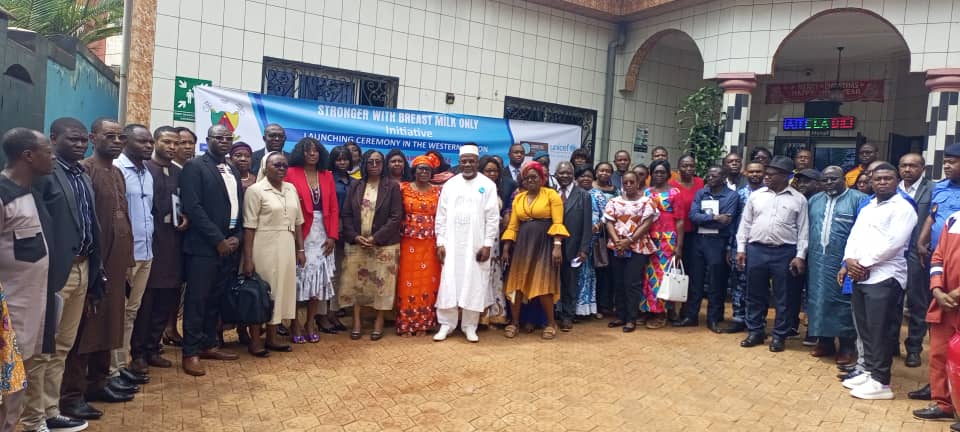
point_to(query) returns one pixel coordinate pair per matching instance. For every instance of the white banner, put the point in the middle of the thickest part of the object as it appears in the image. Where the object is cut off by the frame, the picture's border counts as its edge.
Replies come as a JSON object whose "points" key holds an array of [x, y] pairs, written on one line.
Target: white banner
{"points": [[559, 140]]}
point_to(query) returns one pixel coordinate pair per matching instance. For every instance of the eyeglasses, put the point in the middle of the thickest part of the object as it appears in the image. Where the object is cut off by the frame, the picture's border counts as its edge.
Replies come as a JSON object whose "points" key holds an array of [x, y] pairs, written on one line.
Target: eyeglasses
{"points": [[276, 135], [280, 165], [227, 138], [374, 162], [113, 136]]}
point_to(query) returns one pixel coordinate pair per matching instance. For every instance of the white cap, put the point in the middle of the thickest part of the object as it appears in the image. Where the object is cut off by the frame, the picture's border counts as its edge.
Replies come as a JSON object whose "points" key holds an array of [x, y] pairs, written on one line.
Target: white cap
{"points": [[469, 149]]}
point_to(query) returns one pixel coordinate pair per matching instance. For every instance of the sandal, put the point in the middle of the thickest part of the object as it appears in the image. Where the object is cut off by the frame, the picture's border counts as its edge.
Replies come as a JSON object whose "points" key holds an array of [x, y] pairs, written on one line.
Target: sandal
{"points": [[376, 335], [510, 331], [642, 319], [356, 335], [657, 322], [549, 333]]}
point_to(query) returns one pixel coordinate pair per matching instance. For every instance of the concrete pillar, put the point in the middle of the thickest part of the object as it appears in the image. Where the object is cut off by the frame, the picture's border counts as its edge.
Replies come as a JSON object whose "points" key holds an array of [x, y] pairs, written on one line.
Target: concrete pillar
{"points": [[736, 108], [943, 123]]}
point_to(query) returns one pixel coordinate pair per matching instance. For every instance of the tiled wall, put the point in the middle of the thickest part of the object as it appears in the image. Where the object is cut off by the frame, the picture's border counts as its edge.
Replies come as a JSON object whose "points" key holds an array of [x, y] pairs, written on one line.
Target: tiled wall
{"points": [[481, 50], [669, 74], [743, 35]]}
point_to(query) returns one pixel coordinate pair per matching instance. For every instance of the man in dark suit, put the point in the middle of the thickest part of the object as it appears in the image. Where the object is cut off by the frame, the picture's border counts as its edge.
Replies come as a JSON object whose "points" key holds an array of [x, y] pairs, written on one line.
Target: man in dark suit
{"points": [[577, 217], [918, 279], [274, 137], [65, 200], [213, 201]]}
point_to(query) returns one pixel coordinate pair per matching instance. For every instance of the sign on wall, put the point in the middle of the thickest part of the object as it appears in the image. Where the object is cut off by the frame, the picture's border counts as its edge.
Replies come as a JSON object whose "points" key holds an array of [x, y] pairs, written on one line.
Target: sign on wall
{"points": [[413, 132], [184, 97], [853, 91], [818, 123]]}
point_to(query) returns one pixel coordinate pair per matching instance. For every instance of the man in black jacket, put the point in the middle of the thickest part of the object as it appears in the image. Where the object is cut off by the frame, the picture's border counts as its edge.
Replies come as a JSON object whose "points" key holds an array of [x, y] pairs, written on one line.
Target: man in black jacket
{"points": [[213, 201], [65, 200], [578, 218], [274, 137]]}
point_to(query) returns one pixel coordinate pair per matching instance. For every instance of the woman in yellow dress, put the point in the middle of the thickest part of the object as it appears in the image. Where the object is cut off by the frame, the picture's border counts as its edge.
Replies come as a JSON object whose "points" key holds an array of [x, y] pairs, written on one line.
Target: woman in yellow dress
{"points": [[535, 223]]}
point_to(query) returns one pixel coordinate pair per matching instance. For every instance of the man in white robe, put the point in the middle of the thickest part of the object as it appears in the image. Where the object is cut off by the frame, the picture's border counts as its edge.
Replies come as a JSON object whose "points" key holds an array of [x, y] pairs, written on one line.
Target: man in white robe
{"points": [[468, 222]]}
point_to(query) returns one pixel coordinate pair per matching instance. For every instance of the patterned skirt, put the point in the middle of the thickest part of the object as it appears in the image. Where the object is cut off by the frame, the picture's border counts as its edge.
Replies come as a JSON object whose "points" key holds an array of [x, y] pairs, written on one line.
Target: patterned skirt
{"points": [[667, 242], [315, 278], [369, 276], [587, 301], [13, 377], [417, 285]]}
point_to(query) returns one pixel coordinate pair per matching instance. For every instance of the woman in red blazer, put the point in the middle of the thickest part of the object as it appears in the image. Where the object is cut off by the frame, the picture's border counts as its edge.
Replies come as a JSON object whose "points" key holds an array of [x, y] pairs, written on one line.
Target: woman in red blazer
{"points": [[321, 224]]}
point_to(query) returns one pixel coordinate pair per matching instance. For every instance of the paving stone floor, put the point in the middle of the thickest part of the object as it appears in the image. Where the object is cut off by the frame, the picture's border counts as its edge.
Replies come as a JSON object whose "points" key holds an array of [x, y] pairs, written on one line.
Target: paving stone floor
{"points": [[592, 379]]}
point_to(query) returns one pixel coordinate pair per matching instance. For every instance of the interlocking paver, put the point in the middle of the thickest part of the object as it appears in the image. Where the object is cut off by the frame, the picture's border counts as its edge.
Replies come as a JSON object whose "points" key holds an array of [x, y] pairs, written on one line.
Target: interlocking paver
{"points": [[592, 379]]}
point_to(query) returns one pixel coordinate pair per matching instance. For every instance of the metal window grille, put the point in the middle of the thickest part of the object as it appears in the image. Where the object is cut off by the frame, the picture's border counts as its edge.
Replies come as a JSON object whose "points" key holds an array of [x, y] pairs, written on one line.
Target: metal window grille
{"points": [[531, 110], [327, 84]]}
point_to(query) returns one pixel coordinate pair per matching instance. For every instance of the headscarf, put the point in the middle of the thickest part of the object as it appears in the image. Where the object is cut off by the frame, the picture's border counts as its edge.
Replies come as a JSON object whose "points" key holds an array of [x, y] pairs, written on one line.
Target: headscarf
{"points": [[263, 165], [240, 145], [427, 159], [535, 166]]}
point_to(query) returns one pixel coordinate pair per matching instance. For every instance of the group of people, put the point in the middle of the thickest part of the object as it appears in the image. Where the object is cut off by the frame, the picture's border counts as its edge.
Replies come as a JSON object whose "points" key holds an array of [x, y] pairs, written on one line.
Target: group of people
{"points": [[124, 236]]}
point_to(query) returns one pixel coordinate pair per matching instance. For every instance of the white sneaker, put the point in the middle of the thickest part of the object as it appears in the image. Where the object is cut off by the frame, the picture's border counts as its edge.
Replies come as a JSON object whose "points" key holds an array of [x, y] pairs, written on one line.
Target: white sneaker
{"points": [[442, 333], [872, 390], [852, 383], [471, 335]]}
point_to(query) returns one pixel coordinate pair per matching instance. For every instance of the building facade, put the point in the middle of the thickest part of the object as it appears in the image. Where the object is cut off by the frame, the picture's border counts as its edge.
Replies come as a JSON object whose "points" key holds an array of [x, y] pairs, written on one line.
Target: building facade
{"points": [[777, 61]]}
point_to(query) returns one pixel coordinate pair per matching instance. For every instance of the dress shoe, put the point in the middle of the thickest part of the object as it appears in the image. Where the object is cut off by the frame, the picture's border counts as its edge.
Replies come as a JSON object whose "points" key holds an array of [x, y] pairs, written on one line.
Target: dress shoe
{"points": [[442, 333], [714, 327], [120, 385], [107, 394], [156, 360], [955, 427], [846, 358], [823, 350], [921, 394], [777, 344], [685, 322], [932, 412], [735, 327], [139, 366], [133, 377], [566, 325], [80, 410], [62, 423], [192, 366], [752, 340], [216, 354], [912, 360]]}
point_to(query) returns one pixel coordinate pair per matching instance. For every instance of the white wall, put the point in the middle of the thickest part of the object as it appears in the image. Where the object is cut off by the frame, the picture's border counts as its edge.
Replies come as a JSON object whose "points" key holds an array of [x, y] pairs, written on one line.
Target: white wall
{"points": [[667, 76], [481, 50], [743, 35]]}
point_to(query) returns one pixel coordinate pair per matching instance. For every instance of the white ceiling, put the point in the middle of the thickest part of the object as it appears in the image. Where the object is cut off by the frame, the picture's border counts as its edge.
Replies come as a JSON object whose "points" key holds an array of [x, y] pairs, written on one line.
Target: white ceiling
{"points": [[863, 37]]}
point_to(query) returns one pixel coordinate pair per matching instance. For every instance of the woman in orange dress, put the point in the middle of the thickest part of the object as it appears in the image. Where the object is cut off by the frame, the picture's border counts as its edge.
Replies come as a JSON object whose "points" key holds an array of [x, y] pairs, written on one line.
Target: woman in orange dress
{"points": [[419, 276]]}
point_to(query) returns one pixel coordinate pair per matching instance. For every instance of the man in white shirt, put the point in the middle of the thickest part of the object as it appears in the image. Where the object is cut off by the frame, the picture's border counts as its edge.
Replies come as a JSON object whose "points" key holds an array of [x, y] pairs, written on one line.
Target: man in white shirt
{"points": [[875, 262], [467, 222]]}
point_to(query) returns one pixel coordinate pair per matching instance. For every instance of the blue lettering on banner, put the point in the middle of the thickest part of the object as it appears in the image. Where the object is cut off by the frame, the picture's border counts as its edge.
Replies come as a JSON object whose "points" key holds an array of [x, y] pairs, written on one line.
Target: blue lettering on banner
{"points": [[381, 128]]}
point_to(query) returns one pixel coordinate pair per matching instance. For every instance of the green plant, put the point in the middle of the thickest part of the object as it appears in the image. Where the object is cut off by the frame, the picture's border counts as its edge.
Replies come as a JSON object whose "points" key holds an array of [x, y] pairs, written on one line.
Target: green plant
{"points": [[700, 125], [86, 20]]}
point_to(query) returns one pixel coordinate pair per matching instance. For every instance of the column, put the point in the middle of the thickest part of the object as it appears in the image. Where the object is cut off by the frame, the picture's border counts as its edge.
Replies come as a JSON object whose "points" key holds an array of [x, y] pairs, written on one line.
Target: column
{"points": [[942, 120], [736, 108]]}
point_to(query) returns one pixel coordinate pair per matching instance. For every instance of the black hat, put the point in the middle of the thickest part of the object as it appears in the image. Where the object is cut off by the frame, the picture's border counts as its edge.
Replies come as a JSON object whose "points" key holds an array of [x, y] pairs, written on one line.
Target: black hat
{"points": [[782, 163], [952, 150], [810, 173]]}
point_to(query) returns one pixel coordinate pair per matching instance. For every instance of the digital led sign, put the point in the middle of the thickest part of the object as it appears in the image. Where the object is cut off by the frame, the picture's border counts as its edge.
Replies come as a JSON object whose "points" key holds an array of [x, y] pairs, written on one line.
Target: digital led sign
{"points": [[818, 123]]}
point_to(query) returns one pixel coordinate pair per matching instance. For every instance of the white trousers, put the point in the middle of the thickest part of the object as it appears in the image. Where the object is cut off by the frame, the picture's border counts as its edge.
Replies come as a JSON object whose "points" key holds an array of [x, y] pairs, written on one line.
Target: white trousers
{"points": [[449, 317]]}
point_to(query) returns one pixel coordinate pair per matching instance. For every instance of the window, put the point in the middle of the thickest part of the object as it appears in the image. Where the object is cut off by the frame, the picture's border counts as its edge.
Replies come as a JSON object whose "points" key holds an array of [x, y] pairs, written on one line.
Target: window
{"points": [[531, 110], [326, 84]]}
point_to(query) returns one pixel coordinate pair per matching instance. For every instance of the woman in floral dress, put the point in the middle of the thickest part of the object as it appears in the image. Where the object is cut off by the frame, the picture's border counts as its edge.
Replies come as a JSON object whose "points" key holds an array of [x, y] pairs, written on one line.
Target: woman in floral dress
{"points": [[419, 276]]}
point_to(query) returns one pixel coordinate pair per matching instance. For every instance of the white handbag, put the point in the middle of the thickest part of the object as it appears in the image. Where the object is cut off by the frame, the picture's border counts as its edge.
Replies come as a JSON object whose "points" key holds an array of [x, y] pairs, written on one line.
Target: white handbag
{"points": [[673, 285]]}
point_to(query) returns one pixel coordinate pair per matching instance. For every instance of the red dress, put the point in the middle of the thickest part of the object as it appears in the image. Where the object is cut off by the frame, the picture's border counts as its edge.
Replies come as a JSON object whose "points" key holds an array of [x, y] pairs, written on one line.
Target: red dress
{"points": [[419, 276], [687, 195]]}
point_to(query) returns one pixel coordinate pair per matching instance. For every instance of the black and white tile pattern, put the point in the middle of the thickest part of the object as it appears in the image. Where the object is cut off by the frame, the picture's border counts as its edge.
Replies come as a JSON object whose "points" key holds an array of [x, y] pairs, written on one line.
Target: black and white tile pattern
{"points": [[943, 128], [737, 110]]}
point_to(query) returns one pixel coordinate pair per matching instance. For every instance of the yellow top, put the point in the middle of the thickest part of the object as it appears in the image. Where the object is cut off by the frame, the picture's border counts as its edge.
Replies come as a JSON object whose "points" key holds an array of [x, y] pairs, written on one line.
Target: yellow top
{"points": [[851, 176], [547, 205]]}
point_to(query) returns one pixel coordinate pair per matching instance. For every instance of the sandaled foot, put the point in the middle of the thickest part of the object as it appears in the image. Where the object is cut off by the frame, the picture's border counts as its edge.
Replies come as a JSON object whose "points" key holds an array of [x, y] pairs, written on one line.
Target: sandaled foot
{"points": [[549, 332], [510, 331]]}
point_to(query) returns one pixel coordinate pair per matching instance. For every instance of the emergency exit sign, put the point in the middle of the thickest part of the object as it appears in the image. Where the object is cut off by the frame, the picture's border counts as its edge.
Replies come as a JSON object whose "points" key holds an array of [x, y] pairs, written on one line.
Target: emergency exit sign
{"points": [[818, 123]]}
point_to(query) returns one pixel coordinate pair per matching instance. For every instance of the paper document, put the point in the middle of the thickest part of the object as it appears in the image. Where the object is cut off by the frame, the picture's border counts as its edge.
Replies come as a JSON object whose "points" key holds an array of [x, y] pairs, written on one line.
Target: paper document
{"points": [[710, 207]]}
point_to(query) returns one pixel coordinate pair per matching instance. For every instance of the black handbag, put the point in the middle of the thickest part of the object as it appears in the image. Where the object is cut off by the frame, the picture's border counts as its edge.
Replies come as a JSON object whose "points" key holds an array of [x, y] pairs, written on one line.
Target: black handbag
{"points": [[601, 257], [247, 300]]}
